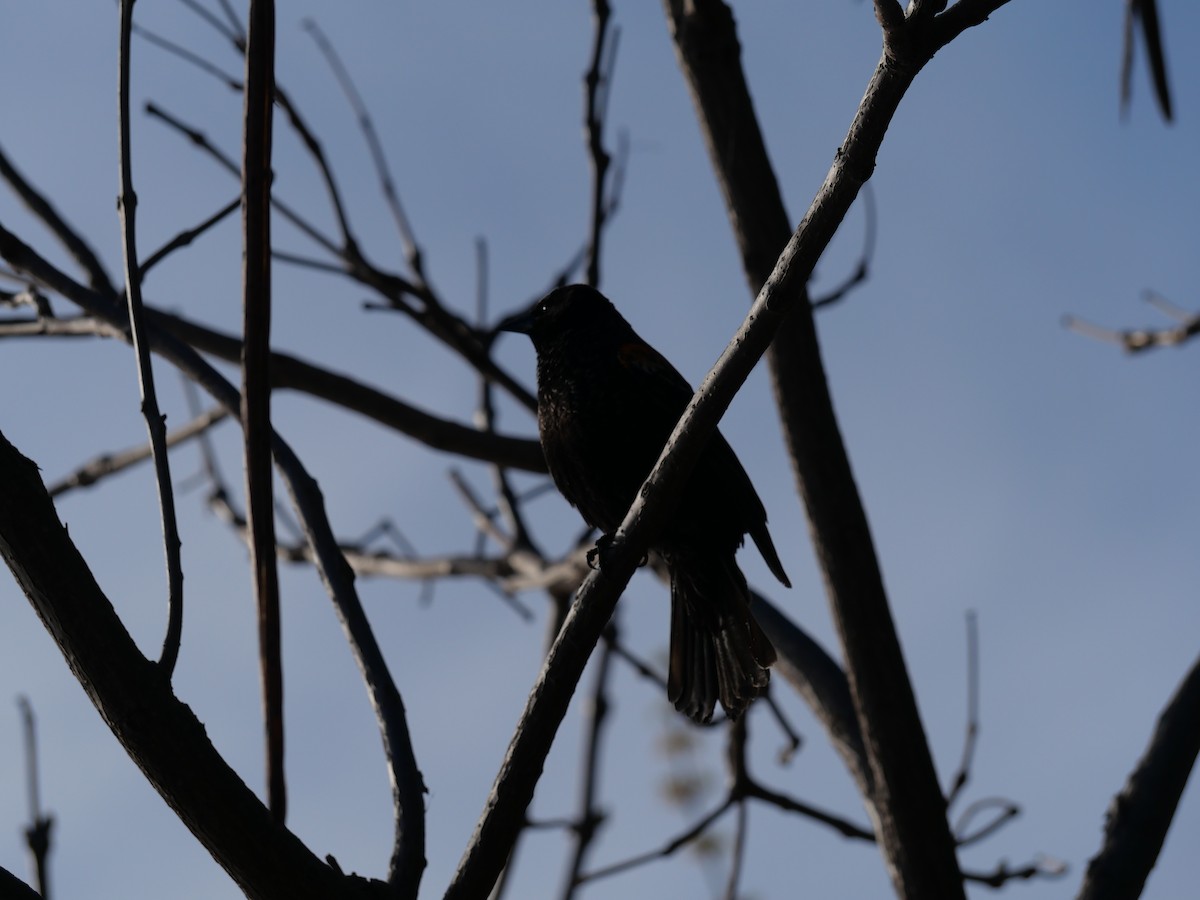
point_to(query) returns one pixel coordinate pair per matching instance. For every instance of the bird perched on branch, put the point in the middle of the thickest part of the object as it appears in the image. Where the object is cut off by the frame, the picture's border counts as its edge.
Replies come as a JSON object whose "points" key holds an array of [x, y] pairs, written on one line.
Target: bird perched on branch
{"points": [[607, 402]]}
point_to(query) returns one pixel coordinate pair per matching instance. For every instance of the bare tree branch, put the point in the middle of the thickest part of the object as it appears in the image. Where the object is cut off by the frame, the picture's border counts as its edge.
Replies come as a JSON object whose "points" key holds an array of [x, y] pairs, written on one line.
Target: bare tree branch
{"points": [[1144, 13], [307, 501], [155, 420], [1141, 813], [290, 372], [37, 835], [669, 848], [83, 254], [597, 82], [906, 799], [1138, 340], [184, 238], [161, 734], [432, 315], [111, 463], [959, 781], [256, 382], [13, 887], [412, 250], [590, 816]]}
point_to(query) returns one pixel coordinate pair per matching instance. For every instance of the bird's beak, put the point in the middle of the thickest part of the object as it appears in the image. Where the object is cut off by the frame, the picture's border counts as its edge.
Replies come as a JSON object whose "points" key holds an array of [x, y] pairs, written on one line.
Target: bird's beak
{"points": [[521, 322]]}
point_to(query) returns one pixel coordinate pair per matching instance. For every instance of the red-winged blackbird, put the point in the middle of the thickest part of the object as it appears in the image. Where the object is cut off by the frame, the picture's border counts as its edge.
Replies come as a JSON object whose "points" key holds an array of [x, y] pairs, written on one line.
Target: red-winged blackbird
{"points": [[607, 402]]}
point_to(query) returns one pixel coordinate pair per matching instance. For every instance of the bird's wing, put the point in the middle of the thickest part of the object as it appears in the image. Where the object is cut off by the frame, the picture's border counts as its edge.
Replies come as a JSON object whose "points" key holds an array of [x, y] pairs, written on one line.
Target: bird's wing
{"points": [[724, 498]]}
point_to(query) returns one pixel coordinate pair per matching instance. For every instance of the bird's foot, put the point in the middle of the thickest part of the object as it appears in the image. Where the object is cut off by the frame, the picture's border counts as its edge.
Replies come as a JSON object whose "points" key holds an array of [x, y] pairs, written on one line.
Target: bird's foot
{"points": [[595, 556]]}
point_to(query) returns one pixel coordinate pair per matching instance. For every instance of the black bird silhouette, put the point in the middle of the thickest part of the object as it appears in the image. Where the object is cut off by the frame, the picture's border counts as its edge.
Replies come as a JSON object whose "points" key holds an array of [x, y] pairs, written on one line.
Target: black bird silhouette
{"points": [[607, 402]]}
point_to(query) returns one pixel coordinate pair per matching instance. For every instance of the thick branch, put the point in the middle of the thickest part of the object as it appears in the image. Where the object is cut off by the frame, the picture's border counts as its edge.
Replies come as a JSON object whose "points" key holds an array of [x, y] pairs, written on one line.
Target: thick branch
{"points": [[440, 434], [293, 373], [407, 784], [907, 799], [1140, 815], [162, 735]]}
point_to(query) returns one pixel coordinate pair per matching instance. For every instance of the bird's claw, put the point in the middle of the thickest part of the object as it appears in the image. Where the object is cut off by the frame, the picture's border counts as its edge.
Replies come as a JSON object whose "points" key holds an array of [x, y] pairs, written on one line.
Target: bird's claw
{"points": [[595, 556]]}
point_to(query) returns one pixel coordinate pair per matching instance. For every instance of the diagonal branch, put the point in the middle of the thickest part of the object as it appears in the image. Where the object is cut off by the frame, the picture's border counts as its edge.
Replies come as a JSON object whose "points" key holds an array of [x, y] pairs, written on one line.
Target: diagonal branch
{"points": [[67, 236], [293, 373], [1141, 813], [162, 735], [407, 785], [906, 798], [111, 463], [408, 240]]}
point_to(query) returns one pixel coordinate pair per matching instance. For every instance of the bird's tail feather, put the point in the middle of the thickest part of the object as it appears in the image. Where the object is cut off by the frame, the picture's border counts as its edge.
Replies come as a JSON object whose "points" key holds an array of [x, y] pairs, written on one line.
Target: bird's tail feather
{"points": [[718, 651]]}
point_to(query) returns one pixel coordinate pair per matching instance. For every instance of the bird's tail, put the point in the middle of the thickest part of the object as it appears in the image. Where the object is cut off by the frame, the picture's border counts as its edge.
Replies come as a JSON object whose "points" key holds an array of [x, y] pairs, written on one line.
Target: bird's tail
{"points": [[718, 651]]}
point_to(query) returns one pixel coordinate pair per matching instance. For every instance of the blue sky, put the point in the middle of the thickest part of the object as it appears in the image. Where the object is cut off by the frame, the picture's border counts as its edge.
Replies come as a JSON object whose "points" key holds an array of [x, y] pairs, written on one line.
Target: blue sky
{"points": [[1009, 466]]}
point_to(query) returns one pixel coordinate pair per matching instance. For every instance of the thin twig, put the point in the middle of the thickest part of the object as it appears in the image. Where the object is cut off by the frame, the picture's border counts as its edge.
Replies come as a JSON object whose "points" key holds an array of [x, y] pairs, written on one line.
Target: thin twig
{"points": [[155, 421], [200, 139], [1137, 340], [412, 250], [485, 419], [1144, 13], [231, 30], [1166, 307], [184, 238], [434, 317], [1003, 811], [972, 736], [789, 804], [862, 270], [597, 82], [75, 245], [590, 817], [668, 849], [188, 56], [235, 23], [738, 852], [37, 834], [791, 735], [111, 463], [1042, 867]]}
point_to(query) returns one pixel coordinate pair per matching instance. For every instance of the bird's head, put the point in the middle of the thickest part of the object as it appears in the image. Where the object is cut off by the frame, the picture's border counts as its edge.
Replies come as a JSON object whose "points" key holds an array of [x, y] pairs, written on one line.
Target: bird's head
{"points": [[576, 310]]}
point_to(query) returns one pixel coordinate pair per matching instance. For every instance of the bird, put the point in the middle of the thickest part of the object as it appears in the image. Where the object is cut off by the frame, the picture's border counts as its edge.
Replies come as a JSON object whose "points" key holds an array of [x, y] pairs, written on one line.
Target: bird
{"points": [[607, 402]]}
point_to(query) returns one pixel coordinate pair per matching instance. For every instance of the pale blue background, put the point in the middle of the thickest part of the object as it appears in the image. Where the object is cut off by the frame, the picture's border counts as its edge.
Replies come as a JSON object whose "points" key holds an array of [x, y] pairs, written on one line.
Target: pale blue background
{"points": [[1008, 465]]}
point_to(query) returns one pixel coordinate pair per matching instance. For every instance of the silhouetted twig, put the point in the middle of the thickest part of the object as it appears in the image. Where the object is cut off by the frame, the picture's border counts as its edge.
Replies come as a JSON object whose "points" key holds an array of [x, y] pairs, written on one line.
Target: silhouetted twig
{"points": [[37, 834], [862, 270], [597, 84], [155, 421], [107, 464], [1137, 340], [1144, 13], [972, 736]]}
